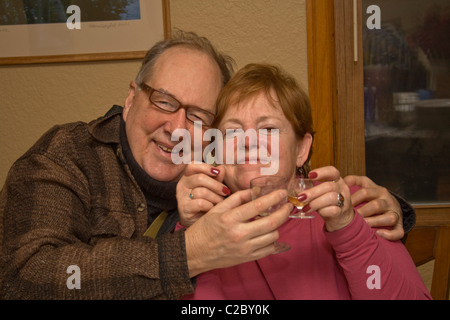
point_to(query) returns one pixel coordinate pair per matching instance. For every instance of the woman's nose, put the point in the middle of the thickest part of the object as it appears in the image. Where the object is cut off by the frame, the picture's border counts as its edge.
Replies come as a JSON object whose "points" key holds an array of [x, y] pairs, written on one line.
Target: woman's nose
{"points": [[251, 138]]}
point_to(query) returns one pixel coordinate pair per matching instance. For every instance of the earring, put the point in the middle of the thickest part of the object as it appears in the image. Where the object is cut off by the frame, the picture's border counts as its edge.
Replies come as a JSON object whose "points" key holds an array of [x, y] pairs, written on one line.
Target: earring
{"points": [[301, 172]]}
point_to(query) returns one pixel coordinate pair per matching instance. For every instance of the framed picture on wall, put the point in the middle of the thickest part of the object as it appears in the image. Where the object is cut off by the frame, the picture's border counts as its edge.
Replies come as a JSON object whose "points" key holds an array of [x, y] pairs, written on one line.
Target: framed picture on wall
{"points": [[80, 30]]}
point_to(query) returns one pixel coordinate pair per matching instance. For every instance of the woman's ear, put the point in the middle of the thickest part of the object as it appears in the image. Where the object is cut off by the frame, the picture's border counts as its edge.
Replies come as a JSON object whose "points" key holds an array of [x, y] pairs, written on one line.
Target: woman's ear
{"points": [[303, 148], [130, 99]]}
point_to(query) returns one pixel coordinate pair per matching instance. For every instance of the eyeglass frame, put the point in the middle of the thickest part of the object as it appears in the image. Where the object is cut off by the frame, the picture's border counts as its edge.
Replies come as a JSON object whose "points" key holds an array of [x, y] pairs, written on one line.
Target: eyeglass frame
{"points": [[150, 91]]}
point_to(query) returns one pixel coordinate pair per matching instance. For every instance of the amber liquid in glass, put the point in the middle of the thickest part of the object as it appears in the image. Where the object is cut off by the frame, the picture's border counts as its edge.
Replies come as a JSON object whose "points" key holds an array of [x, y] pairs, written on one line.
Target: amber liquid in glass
{"points": [[296, 203]]}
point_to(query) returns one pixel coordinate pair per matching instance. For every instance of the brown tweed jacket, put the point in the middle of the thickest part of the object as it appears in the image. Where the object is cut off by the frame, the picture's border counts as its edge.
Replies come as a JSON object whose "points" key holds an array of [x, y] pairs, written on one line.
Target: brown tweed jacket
{"points": [[72, 201]]}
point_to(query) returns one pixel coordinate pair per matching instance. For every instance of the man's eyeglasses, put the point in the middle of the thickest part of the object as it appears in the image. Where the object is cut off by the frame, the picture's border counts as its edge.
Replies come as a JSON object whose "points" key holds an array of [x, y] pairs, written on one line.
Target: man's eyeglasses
{"points": [[167, 103]]}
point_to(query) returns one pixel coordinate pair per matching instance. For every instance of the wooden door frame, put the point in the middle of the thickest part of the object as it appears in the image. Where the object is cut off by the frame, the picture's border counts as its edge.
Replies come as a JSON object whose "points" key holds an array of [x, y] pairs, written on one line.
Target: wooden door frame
{"points": [[322, 80], [335, 81]]}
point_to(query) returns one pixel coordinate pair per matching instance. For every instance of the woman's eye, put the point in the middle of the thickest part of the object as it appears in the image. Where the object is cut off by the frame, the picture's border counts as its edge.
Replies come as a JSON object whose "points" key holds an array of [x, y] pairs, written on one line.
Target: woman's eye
{"points": [[269, 131], [232, 133]]}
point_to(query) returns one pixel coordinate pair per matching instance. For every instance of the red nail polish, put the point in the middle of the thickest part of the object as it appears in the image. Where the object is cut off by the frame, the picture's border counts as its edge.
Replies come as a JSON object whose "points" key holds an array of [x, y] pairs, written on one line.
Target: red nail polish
{"points": [[215, 171], [306, 208], [301, 197], [226, 191], [312, 175]]}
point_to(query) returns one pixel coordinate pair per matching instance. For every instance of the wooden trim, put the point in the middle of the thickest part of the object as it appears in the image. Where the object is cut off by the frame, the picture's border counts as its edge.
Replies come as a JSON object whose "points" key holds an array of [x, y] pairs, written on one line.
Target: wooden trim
{"points": [[336, 86], [426, 243], [428, 215], [167, 21], [441, 273], [322, 79], [74, 58], [350, 140]]}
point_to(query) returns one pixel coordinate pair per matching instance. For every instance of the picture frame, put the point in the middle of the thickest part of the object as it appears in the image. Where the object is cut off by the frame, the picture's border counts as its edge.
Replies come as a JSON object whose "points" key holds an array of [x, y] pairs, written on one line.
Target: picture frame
{"points": [[94, 41]]}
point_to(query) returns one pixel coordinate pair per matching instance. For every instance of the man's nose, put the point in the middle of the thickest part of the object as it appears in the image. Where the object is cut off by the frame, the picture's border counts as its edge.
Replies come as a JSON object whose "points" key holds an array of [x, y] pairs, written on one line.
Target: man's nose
{"points": [[177, 120]]}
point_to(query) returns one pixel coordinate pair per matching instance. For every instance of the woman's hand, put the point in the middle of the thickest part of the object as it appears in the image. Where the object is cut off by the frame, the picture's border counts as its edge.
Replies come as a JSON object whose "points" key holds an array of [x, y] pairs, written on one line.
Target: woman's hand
{"points": [[199, 190], [331, 198], [381, 209]]}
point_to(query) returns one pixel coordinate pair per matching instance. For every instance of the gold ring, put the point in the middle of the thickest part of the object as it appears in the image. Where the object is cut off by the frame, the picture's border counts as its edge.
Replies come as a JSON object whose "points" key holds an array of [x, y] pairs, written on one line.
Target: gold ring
{"points": [[397, 214]]}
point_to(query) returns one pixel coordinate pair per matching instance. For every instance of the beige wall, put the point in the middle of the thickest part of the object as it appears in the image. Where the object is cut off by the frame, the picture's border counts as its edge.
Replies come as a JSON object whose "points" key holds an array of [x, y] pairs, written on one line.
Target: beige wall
{"points": [[250, 30], [35, 97]]}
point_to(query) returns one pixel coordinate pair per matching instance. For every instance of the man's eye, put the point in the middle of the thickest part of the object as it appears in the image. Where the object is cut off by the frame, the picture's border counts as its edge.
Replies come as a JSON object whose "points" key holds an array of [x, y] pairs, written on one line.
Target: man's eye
{"points": [[197, 117], [166, 105], [163, 102]]}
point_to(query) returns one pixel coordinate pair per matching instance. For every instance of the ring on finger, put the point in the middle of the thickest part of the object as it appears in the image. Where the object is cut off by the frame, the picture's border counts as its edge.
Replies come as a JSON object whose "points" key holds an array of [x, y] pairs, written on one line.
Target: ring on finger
{"points": [[397, 214], [340, 200], [191, 196]]}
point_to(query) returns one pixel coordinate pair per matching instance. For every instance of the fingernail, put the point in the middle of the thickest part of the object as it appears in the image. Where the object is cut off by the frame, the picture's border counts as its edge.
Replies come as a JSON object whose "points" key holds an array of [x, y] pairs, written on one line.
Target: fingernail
{"points": [[215, 171], [306, 208], [301, 197], [312, 175], [226, 191]]}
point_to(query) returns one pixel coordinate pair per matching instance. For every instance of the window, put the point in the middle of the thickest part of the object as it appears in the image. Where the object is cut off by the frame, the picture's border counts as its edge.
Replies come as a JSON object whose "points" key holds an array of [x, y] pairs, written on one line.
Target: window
{"points": [[406, 58]]}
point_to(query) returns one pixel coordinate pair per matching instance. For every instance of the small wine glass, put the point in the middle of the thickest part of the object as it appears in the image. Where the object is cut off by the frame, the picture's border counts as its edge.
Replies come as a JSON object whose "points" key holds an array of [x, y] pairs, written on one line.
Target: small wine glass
{"points": [[296, 187], [264, 185]]}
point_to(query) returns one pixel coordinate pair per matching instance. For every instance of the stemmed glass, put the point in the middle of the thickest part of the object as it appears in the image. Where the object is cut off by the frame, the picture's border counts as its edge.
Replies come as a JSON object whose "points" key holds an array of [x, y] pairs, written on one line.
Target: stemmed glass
{"points": [[264, 185], [296, 187]]}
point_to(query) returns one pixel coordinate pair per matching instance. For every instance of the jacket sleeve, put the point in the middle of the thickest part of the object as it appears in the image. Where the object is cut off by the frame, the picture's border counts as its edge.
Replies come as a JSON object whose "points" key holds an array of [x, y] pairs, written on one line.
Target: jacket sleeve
{"points": [[375, 268], [53, 249], [408, 213]]}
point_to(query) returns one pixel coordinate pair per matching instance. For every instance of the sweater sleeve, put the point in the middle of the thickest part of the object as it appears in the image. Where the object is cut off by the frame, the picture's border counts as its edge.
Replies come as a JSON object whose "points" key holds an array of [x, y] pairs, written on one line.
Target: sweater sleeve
{"points": [[375, 268], [56, 245]]}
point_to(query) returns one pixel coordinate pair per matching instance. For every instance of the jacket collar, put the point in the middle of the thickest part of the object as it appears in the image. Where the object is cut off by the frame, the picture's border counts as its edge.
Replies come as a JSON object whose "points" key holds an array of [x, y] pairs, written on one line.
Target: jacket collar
{"points": [[106, 129]]}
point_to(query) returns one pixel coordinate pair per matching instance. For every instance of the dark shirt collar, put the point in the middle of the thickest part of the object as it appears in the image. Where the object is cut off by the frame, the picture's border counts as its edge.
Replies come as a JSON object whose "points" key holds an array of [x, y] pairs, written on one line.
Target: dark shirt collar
{"points": [[160, 195]]}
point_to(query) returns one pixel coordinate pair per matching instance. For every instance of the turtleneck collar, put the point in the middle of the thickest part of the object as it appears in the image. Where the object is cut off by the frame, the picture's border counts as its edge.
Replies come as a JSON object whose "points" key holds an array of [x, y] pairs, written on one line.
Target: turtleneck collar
{"points": [[159, 195]]}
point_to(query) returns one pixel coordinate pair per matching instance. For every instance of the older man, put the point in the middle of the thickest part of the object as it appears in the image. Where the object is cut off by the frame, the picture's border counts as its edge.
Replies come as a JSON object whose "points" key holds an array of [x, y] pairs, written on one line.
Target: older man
{"points": [[76, 206]]}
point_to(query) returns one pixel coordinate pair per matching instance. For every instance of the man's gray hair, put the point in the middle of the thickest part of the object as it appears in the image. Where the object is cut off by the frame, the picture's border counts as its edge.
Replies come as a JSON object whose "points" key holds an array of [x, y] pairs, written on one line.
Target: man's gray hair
{"points": [[190, 40]]}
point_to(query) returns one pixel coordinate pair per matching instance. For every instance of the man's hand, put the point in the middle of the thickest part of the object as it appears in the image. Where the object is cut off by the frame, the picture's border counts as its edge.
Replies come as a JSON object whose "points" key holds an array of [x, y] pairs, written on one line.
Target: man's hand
{"points": [[228, 234], [381, 209]]}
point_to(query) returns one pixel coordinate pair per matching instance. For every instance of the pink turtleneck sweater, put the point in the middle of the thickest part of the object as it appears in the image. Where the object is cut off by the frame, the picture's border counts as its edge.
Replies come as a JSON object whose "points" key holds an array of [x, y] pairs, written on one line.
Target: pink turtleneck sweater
{"points": [[351, 263]]}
